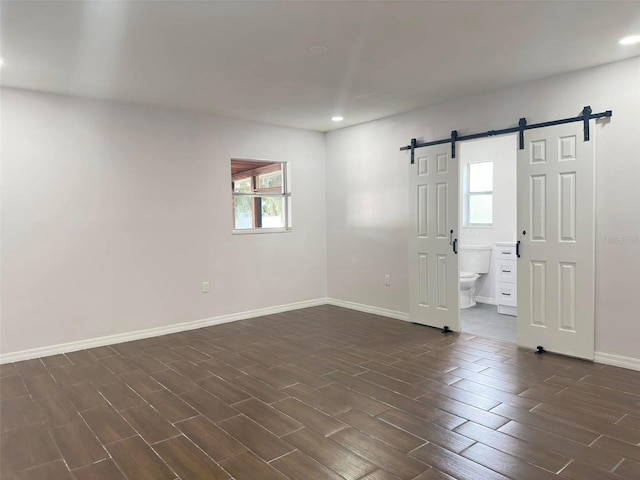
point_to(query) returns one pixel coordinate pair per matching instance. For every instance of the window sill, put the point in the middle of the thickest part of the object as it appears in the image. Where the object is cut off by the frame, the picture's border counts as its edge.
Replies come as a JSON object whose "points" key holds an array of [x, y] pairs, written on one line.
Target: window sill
{"points": [[260, 231]]}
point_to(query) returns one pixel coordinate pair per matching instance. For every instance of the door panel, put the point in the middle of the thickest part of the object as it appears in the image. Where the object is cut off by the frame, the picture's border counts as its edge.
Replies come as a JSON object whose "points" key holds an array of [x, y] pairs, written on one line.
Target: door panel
{"points": [[433, 266], [556, 227]]}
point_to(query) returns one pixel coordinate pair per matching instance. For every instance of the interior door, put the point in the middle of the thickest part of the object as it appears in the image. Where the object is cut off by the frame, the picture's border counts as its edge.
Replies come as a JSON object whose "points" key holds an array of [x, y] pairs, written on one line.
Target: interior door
{"points": [[433, 262], [556, 224]]}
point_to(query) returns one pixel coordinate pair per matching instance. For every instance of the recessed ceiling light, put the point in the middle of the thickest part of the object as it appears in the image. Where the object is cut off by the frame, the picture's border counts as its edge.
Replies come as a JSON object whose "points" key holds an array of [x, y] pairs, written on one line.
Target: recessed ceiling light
{"points": [[1, 62], [337, 118], [630, 40], [318, 50]]}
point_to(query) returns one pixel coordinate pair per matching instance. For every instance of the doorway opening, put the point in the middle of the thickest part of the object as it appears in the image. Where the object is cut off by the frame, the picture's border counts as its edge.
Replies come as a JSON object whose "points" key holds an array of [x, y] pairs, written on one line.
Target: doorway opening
{"points": [[488, 214], [552, 283]]}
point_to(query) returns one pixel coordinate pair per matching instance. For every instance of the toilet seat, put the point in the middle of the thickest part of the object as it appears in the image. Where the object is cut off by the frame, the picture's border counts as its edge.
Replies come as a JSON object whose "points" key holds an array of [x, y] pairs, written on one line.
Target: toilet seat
{"points": [[467, 274]]}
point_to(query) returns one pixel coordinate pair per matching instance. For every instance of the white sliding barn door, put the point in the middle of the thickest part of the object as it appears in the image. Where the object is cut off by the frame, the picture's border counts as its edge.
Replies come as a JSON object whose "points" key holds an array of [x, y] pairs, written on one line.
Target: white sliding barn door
{"points": [[556, 265], [433, 265]]}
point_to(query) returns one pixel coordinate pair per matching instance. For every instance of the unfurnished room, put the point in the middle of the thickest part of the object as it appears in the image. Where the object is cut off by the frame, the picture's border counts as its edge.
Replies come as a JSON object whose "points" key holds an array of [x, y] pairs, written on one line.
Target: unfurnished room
{"points": [[358, 240]]}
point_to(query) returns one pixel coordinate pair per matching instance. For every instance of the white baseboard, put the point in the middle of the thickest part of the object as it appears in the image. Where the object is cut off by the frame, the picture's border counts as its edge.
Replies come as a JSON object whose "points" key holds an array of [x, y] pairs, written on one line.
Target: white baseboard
{"points": [[487, 300], [152, 332], [617, 360], [369, 309], [600, 357]]}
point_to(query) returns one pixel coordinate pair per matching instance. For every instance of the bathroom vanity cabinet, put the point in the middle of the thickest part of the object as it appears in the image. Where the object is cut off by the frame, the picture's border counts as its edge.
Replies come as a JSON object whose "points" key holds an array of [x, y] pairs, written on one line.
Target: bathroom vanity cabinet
{"points": [[506, 275]]}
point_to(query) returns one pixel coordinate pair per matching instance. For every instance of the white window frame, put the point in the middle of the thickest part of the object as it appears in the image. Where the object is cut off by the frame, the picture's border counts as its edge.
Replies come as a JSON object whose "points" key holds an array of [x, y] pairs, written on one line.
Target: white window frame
{"points": [[468, 194], [258, 193]]}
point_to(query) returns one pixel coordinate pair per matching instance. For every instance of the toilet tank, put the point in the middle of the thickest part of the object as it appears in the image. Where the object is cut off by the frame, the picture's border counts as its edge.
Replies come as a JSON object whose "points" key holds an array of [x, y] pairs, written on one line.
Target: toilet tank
{"points": [[475, 258]]}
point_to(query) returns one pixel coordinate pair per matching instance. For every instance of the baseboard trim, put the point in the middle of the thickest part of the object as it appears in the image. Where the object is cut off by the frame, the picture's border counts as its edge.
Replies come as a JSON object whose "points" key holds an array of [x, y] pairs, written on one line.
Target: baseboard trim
{"points": [[384, 312], [617, 360], [487, 300], [599, 357], [153, 332]]}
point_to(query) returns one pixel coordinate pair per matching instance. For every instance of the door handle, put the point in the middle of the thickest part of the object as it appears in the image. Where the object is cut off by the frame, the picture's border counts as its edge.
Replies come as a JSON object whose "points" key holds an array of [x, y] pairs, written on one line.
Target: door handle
{"points": [[455, 246], [518, 249], [450, 237]]}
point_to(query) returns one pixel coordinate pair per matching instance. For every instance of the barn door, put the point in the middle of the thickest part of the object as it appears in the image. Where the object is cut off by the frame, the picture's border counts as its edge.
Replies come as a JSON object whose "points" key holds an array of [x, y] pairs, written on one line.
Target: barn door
{"points": [[556, 241], [433, 243]]}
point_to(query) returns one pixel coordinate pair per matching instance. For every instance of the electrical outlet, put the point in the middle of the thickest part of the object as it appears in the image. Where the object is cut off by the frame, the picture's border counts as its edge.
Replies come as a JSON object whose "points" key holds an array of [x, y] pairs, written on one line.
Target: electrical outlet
{"points": [[205, 287], [387, 280]]}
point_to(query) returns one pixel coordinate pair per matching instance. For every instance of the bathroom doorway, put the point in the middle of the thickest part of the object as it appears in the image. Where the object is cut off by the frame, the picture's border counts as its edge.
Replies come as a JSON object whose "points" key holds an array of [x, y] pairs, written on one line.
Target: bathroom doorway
{"points": [[487, 213], [536, 188]]}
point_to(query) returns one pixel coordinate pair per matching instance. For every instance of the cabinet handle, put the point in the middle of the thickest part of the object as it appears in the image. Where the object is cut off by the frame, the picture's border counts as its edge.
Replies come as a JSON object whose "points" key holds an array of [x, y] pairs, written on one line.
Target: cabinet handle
{"points": [[506, 271], [506, 294]]}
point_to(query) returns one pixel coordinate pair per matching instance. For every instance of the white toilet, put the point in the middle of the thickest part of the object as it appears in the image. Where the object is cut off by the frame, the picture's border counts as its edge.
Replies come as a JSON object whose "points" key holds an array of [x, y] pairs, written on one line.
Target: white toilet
{"points": [[474, 262]]}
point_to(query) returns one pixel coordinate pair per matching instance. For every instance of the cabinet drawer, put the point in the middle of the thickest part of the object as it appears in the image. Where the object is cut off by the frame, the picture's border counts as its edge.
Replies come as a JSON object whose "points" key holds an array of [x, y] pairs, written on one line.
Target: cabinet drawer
{"points": [[506, 253], [507, 271], [506, 294]]}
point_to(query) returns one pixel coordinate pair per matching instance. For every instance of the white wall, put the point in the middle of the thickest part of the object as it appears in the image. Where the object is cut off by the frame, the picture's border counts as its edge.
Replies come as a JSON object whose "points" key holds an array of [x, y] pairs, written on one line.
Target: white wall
{"points": [[367, 199], [502, 152], [113, 215]]}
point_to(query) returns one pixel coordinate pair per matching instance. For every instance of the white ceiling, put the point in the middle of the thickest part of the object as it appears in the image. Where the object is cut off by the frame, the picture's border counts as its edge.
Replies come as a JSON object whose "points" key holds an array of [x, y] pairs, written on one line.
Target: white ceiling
{"points": [[250, 60]]}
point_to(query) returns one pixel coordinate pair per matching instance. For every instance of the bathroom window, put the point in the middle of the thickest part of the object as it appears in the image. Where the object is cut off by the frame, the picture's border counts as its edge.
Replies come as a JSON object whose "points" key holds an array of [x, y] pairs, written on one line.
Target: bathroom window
{"points": [[261, 199], [478, 188]]}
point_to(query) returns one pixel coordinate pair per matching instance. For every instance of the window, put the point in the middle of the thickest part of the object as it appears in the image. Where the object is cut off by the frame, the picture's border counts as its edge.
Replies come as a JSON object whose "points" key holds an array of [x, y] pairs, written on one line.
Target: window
{"points": [[479, 195], [261, 201]]}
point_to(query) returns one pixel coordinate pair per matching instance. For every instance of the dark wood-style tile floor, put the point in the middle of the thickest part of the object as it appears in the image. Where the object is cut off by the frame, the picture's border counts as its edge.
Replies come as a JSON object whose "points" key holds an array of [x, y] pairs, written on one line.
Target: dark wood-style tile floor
{"points": [[320, 393]]}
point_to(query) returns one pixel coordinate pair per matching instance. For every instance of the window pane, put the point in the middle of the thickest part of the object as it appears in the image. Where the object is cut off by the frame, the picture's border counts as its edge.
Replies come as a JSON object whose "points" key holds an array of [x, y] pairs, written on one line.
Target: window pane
{"points": [[243, 212], [243, 185], [481, 177], [270, 180], [273, 212], [481, 209]]}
